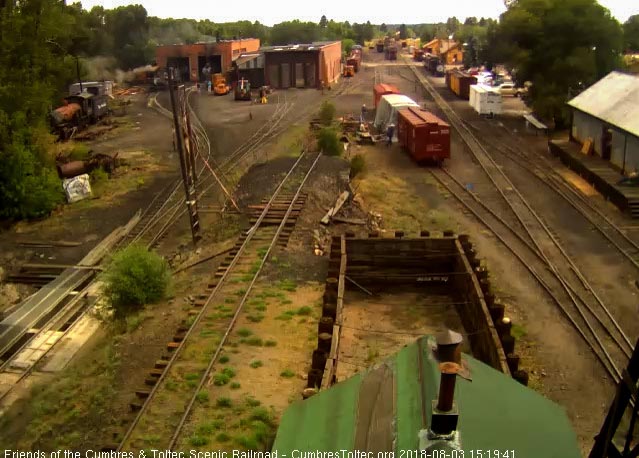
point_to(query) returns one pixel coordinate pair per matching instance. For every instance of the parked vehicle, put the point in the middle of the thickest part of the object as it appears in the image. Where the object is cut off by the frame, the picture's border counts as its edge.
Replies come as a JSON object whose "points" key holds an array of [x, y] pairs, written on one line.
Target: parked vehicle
{"points": [[243, 90], [219, 84], [509, 88]]}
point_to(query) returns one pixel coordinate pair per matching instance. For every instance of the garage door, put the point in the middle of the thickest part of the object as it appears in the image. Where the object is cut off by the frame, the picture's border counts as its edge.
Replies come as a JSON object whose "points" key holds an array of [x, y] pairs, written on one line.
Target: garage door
{"points": [[274, 75], [310, 74], [285, 73]]}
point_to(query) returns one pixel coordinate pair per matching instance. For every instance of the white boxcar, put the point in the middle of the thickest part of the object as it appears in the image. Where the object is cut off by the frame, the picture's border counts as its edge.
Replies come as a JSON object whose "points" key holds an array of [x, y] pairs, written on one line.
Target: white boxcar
{"points": [[485, 100]]}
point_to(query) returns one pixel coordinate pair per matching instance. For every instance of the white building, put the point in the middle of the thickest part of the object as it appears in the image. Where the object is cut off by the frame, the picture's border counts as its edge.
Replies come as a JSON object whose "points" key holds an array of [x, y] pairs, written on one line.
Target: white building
{"points": [[608, 113]]}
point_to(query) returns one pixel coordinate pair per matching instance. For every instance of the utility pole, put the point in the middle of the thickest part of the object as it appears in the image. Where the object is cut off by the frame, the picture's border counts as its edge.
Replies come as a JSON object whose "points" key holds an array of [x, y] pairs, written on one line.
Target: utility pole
{"points": [[185, 151]]}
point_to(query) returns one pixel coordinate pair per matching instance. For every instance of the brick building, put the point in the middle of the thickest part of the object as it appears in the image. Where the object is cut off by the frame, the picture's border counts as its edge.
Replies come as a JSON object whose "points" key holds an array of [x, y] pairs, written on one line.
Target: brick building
{"points": [[302, 65], [190, 60]]}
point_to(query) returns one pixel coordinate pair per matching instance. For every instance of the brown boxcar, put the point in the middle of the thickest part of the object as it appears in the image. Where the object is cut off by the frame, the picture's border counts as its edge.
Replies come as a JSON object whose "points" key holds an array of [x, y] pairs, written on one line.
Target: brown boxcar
{"points": [[423, 135], [383, 89]]}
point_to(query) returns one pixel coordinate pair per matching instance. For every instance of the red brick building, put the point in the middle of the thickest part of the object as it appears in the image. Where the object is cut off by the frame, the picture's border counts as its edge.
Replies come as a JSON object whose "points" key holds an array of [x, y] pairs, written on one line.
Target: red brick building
{"points": [[190, 60], [302, 66]]}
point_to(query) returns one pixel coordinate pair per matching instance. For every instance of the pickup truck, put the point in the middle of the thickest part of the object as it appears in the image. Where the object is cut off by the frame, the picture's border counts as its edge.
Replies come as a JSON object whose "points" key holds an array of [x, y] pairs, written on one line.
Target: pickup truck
{"points": [[510, 89]]}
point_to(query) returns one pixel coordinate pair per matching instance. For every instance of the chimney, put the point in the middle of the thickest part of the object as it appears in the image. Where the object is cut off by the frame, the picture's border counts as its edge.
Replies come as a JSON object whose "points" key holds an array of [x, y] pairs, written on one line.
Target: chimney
{"points": [[448, 347], [445, 414]]}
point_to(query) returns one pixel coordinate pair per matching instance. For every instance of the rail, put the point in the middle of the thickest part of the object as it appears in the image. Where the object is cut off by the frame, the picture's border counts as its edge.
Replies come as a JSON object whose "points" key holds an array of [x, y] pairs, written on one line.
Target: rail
{"points": [[535, 227], [214, 293]]}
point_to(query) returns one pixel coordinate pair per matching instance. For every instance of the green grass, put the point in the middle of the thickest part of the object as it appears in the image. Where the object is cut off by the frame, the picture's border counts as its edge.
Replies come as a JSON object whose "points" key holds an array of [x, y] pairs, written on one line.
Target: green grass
{"points": [[202, 397], [244, 332], [229, 300], [191, 376], [252, 402], [518, 331], [235, 386], [306, 310], [223, 402], [261, 252], [229, 372], [224, 359], [255, 318], [222, 437], [287, 373], [260, 308], [209, 428], [220, 379], [284, 317], [198, 441], [270, 343], [171, 385], [287, 285], [255, 364], [254, 341], [240, 292]]}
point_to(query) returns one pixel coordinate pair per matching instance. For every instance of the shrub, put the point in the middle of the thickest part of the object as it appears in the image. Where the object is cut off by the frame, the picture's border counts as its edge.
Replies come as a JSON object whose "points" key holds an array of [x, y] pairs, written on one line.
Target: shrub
{"points": [[235, 385], [220, 379], [328, 142], [222, 437], [287, 373], [327, 113], [229, 372], [270, 343], [198, 441], [347, 44], [252, 402], [243, 332], [256, 364], [254, 341], [224, 359], [202, 397], [98, 176], [357, 165], [306, 310], [224, 402], [80, 152], [134, 277]]}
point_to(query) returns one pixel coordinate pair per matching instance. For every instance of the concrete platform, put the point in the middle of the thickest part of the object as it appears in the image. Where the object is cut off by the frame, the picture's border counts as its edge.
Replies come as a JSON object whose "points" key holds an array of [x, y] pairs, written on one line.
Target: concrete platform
{"points": [[600, 173]]}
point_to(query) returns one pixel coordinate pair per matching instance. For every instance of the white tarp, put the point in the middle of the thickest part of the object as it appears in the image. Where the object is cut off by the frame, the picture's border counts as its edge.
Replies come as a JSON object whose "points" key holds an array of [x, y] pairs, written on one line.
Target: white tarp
{"points": [[387, 109], [77, 188]]}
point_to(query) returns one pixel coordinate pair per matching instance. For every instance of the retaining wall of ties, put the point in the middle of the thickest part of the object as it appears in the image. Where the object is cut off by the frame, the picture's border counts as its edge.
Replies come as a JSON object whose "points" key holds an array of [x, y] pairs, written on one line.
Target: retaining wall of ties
{"points": [[482, 314]]}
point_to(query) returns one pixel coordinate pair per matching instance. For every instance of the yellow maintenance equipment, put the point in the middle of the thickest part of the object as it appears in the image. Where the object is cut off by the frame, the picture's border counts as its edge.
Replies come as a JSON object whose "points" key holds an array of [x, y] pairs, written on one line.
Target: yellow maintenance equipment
{"points": [[219, 84]]}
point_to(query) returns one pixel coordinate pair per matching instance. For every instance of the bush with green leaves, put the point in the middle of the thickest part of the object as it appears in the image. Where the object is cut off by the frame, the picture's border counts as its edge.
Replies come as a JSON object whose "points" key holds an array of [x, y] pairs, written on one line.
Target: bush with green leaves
{"points": [[134, 277], [327, 113], [328, 142], [357, 165]]}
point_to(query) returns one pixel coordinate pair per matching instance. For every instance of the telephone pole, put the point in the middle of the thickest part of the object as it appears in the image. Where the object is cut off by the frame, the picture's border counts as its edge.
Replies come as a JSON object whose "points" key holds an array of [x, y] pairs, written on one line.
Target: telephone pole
{"points": [[184, 143]]}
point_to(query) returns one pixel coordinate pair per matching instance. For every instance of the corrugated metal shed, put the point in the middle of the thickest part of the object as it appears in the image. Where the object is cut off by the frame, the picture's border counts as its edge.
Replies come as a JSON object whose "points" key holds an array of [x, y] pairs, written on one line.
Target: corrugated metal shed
{"points": [[380, 411], [613, 99]]}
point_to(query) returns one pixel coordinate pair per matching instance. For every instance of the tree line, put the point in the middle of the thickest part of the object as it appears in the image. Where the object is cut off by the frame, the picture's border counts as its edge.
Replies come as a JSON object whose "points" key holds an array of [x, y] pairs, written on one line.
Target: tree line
{"points": [[560, 45]]}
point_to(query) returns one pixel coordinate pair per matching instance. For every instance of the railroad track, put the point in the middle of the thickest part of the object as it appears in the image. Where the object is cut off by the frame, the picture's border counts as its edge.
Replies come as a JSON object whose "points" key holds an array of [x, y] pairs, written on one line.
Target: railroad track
{"points": [[570, 289], [206, 336], [546, 175]]}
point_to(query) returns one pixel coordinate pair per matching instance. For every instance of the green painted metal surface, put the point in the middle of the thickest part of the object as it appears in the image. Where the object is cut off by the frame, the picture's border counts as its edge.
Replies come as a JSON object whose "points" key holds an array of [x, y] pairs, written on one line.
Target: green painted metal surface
{"points": [[323, 422], [495, 413]]}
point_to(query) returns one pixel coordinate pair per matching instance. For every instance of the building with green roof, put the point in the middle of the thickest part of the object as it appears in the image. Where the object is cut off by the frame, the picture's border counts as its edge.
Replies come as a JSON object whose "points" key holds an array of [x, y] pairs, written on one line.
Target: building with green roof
{"points": [[393, 407]]}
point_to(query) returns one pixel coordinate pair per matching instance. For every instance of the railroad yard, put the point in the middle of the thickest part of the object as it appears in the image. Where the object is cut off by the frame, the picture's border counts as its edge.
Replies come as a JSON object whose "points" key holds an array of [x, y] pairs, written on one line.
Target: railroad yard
{"points": [[506, 229]]}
